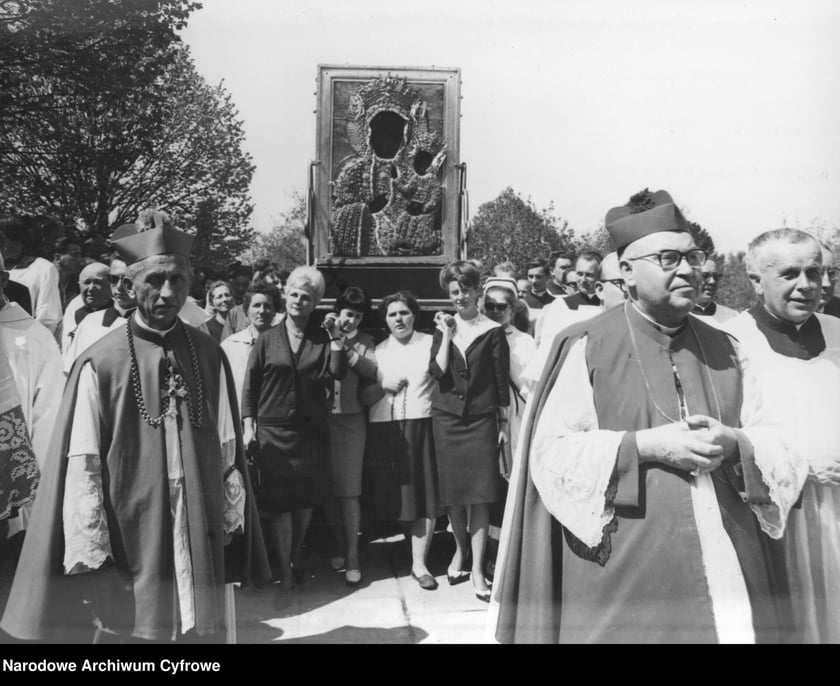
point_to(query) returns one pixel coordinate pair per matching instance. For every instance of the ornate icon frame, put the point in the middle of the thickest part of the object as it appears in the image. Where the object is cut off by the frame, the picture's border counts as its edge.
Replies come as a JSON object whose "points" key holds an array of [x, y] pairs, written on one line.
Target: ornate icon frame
{"points": [[330, 79]]}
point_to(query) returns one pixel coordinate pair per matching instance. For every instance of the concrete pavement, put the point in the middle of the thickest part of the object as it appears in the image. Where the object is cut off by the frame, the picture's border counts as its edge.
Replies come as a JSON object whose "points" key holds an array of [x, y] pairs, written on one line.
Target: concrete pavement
{"points": [[387, 607]]}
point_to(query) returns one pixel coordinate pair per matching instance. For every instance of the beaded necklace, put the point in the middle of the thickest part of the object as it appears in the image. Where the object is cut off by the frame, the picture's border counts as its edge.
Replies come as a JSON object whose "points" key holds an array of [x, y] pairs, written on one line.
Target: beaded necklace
{"points": [[194, 408]]}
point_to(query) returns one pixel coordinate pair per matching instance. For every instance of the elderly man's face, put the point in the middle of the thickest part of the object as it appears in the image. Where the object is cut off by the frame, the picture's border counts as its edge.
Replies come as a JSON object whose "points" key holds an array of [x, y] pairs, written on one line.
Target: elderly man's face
{"points": [[667, 296], [587, 274], [160, 289], [94, 287], [790, 280], [711, 281], [829, 276]]}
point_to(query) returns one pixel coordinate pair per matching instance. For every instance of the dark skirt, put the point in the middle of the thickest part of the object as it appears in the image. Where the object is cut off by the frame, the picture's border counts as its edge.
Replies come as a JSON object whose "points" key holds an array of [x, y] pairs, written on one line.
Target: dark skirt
{"points": [[347, 452], [400, 471], [293, 467], [467, 458]]}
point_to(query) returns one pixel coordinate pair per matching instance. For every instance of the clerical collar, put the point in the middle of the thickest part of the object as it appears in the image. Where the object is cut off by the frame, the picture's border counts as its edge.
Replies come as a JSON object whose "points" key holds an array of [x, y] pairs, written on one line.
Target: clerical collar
{"points": [[161, 333], [667, 330], [804, 342], [709, 310]]}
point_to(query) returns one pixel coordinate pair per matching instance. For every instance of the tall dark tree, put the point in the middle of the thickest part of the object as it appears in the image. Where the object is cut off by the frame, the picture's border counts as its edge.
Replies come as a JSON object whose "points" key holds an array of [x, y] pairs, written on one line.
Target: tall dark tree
{"points": [[102, 113], [512, 228]]}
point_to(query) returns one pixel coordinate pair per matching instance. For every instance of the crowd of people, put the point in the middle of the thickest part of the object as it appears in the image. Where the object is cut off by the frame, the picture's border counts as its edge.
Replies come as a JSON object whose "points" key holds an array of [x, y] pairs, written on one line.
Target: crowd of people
{"points": [[651, 465]]}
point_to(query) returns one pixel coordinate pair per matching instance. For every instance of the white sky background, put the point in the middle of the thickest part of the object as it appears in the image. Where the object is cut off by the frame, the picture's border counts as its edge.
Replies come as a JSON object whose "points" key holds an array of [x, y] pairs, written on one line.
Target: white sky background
{"points": [[732, 107]]}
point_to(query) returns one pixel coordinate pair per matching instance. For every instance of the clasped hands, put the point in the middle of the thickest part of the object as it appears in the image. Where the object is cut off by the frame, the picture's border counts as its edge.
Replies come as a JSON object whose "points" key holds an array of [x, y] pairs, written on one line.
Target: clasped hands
{"points": [[699, 444]]}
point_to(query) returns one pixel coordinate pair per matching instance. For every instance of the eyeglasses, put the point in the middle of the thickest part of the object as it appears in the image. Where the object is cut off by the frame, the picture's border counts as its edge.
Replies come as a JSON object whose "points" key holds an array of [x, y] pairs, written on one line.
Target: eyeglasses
{"points": [[496, 307], [671, 259], [618, 283]]}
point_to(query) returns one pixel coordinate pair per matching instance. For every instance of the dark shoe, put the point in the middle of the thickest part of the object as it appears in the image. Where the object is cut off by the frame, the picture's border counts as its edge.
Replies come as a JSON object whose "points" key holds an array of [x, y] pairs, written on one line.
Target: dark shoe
{"points": [[458, 577], [483, 596], [427, 581]]}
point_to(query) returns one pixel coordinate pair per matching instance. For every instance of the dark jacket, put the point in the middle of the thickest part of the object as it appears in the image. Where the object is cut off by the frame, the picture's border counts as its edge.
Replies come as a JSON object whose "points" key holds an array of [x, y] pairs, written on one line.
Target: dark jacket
{"points": [[479, 386]]}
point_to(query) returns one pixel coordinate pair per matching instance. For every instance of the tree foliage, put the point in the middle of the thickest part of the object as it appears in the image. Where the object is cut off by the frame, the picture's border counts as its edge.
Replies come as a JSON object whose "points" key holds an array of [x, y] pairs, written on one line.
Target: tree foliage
{"points": [[735, 289], [284, 244], [599, 240], [102, 113], [512, 228]]}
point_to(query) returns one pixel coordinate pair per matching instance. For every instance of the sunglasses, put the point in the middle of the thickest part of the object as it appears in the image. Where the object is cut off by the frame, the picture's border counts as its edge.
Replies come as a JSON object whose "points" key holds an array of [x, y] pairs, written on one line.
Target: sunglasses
{"points": [[496, 307]]}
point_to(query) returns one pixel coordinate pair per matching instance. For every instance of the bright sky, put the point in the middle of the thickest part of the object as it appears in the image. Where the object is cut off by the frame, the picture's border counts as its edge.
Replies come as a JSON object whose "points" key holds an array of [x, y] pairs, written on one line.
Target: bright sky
{"points": [[732, 107]]}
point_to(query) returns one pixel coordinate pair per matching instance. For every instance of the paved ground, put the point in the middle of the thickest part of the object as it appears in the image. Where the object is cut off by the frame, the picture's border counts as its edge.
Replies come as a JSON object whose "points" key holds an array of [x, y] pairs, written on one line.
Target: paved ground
{"points": [[387, 607]]}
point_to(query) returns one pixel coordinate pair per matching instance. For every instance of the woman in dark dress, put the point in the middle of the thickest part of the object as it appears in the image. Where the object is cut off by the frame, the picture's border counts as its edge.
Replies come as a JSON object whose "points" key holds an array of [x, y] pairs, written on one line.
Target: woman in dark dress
{"points": [[470, 360], [285, 409], [347, 433]]}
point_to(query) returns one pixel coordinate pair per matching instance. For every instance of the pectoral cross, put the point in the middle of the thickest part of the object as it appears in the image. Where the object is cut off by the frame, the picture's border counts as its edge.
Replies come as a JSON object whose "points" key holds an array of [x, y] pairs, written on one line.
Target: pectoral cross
{"points": [[174, 388]]}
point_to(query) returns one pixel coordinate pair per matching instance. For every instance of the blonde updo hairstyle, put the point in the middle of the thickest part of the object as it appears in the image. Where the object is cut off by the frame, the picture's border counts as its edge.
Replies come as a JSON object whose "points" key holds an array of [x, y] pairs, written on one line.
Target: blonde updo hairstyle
{"points": [[307, 278]]}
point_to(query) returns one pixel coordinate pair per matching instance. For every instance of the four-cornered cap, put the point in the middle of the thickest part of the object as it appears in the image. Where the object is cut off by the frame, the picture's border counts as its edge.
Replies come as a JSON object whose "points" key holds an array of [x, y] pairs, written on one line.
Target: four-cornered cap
{"points": [[152, 234], [625, 225]]}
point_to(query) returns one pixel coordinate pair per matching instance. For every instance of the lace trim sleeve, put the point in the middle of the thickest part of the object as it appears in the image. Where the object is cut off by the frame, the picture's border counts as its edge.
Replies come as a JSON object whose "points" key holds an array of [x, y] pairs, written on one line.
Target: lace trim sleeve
{"points": [[572, 460], [87, 541]]}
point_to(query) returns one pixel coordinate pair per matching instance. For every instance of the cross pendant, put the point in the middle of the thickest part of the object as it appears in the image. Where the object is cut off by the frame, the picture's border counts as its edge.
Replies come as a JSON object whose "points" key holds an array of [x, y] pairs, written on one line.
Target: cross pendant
{"points": [[173, 388]]}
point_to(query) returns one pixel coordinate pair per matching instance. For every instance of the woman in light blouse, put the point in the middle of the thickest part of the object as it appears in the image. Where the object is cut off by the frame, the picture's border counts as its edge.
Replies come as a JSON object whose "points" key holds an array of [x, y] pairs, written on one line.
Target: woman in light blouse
{"points": [[400, 457]]}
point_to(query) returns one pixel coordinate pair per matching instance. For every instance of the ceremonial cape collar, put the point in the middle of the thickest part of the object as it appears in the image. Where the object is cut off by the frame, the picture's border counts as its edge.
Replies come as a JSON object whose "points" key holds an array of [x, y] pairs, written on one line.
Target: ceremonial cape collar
{"points": [[804, 343], [142, 330], [113, 313], [84, 311], [665, 336]]}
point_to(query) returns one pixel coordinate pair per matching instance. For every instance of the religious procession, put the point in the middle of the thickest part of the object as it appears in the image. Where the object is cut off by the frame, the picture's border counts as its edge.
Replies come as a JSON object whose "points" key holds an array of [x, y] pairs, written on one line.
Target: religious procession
{"points": [[615, 455]]}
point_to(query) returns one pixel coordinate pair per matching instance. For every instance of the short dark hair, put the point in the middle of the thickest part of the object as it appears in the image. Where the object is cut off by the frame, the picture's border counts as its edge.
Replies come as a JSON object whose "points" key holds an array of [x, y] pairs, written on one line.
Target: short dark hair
{"points": [[537, 264], [462, 271], [557, 254], [261, 288], [352, 298], [406, 297]]}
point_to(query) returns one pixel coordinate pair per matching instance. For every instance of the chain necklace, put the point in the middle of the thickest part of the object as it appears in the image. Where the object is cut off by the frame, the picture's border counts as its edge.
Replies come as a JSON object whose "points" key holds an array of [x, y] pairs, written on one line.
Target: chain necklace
{"points": [[678, 383], [194, 408]]}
